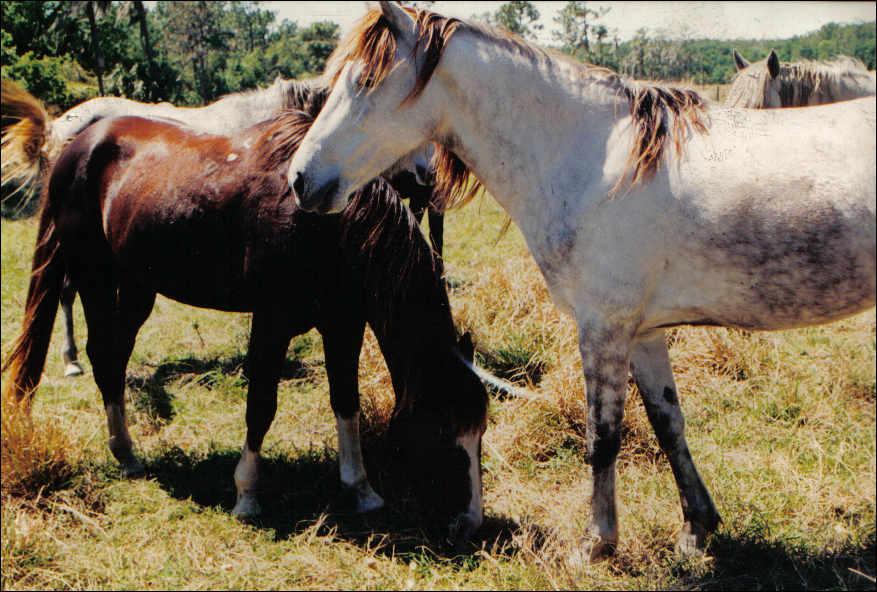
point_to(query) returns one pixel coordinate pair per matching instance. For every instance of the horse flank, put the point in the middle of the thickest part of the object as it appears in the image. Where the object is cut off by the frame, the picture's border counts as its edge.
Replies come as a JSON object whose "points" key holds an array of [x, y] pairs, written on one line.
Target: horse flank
{"points": [[661, 115], [800, 83]]}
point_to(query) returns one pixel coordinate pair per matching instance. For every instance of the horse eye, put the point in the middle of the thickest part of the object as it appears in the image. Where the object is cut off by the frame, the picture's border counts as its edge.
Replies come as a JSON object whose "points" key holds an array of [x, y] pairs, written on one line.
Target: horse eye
{"points": [[365, 82]]}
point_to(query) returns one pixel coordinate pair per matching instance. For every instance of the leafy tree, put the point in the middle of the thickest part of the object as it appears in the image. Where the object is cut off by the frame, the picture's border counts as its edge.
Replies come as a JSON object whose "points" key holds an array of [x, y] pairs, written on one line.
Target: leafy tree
{"points": [[516, 17], [195, 34], [135, 12], [93, 10], [575, 22]]}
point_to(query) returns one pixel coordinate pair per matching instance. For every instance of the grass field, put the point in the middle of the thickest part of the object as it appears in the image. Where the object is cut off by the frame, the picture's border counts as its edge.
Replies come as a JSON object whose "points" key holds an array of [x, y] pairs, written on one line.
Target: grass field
{"points": [[782, 426]]}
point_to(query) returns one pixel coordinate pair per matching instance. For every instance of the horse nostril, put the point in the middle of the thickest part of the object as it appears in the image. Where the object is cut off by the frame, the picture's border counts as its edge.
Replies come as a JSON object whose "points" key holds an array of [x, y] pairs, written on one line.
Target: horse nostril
{"points": [[298, 185]]}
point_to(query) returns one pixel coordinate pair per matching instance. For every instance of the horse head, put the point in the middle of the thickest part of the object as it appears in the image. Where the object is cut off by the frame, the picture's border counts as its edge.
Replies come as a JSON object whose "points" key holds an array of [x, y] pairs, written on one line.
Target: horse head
{"points": [[379, 72]]}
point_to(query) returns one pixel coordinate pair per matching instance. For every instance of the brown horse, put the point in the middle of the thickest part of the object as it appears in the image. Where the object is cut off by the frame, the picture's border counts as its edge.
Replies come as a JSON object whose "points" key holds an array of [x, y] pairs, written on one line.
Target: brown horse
{"points": [[137, 207], [32, 144]]}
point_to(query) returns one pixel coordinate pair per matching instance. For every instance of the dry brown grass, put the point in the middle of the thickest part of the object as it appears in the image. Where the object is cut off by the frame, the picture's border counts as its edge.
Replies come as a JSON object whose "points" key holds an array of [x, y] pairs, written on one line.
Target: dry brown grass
{"points": [[37, 455], [780, 424]]}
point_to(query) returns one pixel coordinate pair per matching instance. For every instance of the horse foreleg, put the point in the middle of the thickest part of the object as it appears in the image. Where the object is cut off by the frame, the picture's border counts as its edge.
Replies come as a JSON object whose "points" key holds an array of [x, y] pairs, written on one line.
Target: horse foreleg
{"points": [[605, 359], [650, 366], [269, 339], [69, 351], [353, 475], [342, 341]]}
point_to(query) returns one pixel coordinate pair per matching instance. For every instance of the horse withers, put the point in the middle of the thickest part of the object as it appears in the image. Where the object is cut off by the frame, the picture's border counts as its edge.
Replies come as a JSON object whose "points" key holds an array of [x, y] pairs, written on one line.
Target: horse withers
{"points": [[645, 206], [137, 207]]}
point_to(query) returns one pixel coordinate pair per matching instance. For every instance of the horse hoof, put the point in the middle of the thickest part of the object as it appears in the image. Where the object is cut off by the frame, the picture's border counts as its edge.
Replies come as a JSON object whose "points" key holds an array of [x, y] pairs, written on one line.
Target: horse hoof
{"points": [[73, 369], [246, 508], [368, 501], [591, 549], [134, 469], [692, 540]]}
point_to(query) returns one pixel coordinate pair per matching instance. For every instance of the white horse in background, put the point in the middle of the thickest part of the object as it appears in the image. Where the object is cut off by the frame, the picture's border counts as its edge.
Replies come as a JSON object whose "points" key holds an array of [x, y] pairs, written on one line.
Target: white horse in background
{"points": [[771, 84], [644, 206]]}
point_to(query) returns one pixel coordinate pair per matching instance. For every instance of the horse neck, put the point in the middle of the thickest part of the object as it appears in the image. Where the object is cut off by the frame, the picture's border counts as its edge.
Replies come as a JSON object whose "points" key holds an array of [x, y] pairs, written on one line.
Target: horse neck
{"points": [[855, 85], [505, 111]]}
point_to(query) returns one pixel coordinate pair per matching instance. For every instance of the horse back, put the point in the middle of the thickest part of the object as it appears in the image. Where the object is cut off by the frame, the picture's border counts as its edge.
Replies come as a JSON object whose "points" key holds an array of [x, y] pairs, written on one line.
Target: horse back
{"points": [[191, 215]]}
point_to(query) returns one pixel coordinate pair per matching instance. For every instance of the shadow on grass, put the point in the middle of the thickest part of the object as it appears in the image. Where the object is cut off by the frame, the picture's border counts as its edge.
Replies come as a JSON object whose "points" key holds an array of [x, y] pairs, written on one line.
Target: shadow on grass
{"points": [[296, 491], [749, 560], [149, 392]]}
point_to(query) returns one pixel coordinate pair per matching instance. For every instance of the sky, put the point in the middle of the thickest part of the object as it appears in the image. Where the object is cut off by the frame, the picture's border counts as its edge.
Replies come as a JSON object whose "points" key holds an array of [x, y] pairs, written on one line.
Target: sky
{"points": [[713, 20]]}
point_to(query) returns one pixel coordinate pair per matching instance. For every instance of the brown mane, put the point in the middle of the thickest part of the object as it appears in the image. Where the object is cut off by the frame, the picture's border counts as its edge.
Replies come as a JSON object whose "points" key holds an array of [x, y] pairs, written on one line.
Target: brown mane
{"points": [[661, 114]]}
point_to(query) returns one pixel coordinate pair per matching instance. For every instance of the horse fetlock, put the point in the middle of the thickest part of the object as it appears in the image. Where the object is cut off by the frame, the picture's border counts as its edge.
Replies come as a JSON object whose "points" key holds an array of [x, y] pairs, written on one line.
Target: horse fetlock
{"points": [[72, 369]]}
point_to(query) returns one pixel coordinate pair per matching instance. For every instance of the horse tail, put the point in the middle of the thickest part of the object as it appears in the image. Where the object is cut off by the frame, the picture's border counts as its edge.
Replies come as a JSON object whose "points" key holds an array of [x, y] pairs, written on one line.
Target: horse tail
{"points": [[27, 356], [27, 146]]}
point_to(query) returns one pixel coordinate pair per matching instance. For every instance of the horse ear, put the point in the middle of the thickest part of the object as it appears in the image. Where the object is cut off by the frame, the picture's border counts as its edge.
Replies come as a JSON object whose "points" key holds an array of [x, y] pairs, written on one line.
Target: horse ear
{"points": [[398, 17], [773, 64], [740, 61], [467, 348]]}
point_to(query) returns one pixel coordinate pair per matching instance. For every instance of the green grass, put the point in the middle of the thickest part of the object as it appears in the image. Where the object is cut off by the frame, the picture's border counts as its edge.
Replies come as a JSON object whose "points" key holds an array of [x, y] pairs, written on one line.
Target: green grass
{"points": [[782, 426]]}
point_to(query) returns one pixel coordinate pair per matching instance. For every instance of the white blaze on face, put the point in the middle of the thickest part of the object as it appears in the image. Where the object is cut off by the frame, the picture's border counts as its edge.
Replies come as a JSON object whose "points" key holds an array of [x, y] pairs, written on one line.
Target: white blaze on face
{"points": [[473, 516]]}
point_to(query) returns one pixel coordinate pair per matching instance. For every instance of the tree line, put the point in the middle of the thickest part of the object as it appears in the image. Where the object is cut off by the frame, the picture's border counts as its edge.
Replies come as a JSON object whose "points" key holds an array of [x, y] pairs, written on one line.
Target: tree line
{"points": [[655, 55], [191, 53], [187, 53]]}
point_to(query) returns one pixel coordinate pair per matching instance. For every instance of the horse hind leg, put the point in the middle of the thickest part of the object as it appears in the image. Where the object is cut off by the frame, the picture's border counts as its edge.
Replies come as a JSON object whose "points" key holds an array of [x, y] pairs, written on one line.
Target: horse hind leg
{"points": [[269, 339], [69, 351], [114, 312], [650, 366]]}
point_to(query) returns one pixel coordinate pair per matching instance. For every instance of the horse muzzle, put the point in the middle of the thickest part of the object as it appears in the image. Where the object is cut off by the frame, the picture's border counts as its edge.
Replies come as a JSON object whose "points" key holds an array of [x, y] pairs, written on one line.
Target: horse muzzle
{"points": [[464, 526], [320, 199]]}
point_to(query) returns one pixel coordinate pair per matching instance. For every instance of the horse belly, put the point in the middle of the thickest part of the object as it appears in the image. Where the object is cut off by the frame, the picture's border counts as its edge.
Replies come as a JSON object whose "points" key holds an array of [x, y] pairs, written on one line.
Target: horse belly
{"points": [[794, 269]]}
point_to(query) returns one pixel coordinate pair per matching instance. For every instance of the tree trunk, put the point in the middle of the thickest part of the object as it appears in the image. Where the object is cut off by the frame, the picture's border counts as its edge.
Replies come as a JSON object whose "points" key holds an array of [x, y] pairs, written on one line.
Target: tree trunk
{"points": [[151, 90], [95, 47], [144, 30]]}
